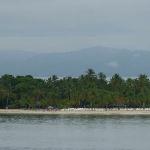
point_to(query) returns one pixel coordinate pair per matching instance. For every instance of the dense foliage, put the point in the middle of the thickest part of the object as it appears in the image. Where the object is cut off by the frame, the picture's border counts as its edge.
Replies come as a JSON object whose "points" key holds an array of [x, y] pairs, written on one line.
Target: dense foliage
{"points": [[88, 90]]}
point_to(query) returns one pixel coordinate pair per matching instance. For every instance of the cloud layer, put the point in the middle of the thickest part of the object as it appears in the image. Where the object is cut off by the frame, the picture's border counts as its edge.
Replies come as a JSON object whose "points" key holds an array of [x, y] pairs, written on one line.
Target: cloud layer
{"points": [[64, 25]]}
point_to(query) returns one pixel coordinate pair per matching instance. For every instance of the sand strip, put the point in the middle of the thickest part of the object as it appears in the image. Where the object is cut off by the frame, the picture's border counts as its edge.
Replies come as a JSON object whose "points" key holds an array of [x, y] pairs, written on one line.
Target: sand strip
{"points": [[73, 111]]}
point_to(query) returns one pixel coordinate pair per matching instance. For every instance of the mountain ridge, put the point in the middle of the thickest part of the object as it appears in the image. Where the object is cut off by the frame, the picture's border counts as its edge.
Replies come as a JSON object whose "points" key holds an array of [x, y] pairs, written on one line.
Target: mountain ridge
{"points": [[102, 59]]}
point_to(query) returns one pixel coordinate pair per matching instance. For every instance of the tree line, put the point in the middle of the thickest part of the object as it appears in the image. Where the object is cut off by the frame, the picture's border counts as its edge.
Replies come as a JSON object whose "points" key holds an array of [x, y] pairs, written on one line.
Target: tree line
{"points": [[89, 90]]}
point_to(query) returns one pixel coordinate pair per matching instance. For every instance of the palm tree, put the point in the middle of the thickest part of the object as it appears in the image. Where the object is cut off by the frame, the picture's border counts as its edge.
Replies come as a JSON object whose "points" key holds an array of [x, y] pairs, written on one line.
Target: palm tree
{"points": [[90, 73]]}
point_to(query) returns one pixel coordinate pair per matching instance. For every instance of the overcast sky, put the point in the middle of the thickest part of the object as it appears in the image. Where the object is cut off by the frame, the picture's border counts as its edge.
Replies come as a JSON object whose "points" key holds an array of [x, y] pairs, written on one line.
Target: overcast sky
{"points": [[66, 25]]}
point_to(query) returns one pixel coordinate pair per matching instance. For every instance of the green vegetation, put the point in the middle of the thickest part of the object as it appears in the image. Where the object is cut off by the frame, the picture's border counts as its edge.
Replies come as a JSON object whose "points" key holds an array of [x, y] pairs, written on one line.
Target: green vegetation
{"points": [[88, 90]]}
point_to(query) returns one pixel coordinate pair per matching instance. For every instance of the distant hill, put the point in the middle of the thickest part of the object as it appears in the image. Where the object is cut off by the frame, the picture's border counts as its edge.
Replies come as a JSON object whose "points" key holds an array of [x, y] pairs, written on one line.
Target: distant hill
{"points": [[102, 59]]}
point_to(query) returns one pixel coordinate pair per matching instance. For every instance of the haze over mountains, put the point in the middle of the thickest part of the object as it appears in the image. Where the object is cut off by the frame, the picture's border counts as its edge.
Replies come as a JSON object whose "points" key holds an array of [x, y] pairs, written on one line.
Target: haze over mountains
{"points": [[102, 59]]}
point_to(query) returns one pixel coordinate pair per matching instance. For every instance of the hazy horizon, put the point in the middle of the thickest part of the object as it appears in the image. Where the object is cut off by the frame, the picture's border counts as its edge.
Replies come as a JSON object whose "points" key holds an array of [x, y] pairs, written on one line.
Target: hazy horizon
{"points": [[100, 34]]}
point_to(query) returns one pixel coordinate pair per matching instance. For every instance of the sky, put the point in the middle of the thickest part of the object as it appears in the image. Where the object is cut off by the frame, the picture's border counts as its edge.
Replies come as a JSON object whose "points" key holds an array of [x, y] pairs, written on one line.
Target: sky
{"points": [[69, 25]]}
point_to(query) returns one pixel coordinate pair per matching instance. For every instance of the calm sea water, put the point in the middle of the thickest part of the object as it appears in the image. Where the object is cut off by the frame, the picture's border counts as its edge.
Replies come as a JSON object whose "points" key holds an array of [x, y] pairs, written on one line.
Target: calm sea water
{"points": [[74, 133]]}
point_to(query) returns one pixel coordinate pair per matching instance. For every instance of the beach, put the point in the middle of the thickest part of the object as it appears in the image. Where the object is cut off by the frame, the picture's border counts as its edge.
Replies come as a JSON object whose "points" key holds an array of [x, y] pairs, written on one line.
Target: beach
{"points": [[79, 111]]}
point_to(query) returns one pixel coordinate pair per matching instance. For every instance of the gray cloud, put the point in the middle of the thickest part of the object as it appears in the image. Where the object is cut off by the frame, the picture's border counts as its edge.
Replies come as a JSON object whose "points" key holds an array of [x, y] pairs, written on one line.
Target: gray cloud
{"points": [[60, 25], [113, 64]]}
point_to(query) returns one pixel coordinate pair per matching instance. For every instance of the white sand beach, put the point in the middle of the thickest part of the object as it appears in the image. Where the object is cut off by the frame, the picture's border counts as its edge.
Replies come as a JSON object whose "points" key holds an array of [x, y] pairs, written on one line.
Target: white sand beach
{"points": [[79, 111]]}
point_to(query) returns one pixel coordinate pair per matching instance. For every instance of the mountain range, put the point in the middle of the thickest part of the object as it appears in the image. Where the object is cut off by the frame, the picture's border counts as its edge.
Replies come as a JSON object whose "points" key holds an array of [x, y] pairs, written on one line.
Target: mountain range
{"points": [[101, 59]]}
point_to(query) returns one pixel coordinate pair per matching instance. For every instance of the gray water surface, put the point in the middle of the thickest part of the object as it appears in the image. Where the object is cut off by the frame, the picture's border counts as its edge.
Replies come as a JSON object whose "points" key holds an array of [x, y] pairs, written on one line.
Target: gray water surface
{"points": [[74, 133]]}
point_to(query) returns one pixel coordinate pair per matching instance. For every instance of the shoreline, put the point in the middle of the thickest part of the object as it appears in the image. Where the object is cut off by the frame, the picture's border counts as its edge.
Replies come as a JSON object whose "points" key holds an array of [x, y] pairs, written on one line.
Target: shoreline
{"points": [[79, 111]]}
